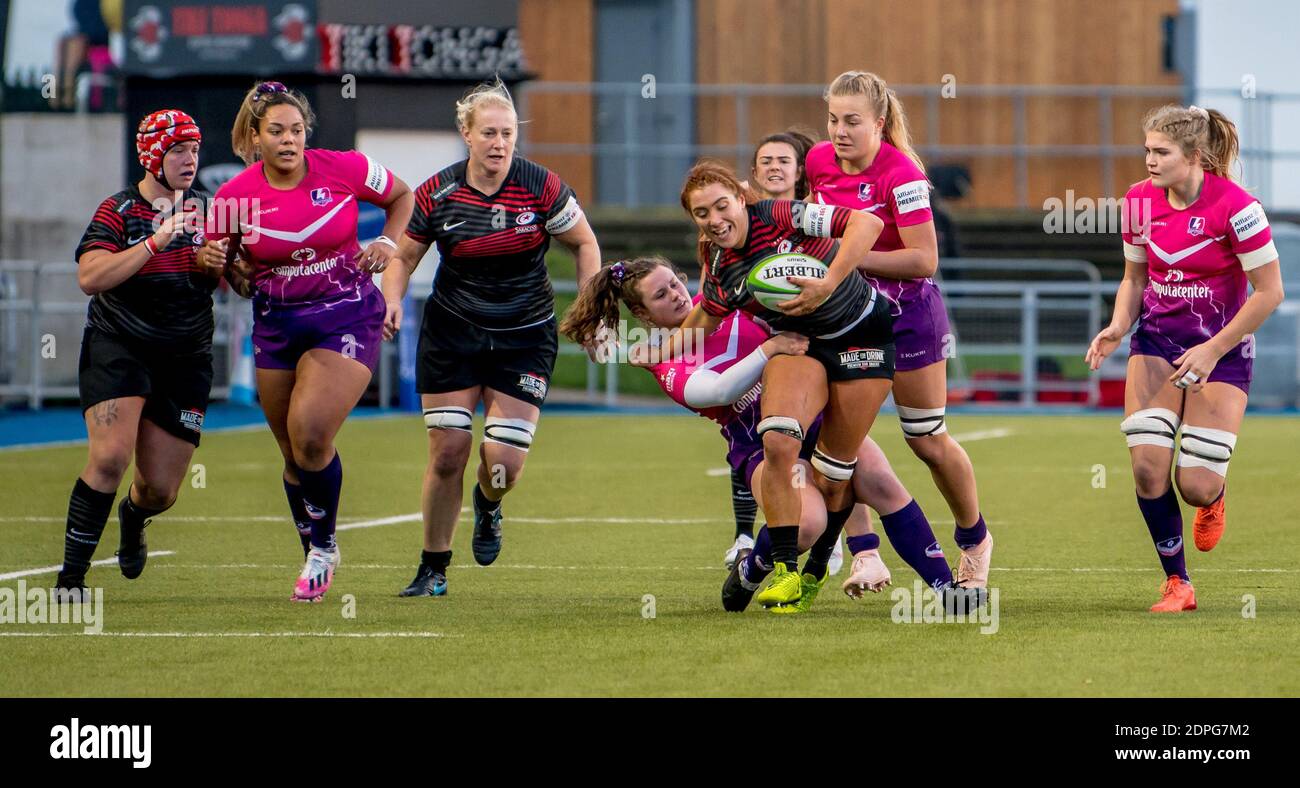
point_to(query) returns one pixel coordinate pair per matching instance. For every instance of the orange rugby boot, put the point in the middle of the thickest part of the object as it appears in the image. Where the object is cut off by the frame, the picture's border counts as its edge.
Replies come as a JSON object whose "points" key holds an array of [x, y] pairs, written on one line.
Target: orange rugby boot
{"points": [[1208, 526], [1176, 596]]}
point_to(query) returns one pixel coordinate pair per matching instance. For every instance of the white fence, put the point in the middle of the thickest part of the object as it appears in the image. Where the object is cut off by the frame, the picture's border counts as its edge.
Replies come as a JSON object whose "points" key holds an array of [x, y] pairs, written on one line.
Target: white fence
{"points": [[1016, 339]]}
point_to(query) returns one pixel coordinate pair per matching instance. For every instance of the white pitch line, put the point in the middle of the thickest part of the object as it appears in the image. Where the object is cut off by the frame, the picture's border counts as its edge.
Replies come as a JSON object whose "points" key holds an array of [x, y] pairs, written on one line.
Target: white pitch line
{"points": [[404, 518], [45, 570], [416, 517], [401, 518], [1127, 569], [222, 518], [233, 429], [718, 568], [389, 567], [616, 520], [227, 634], [980, 435]]}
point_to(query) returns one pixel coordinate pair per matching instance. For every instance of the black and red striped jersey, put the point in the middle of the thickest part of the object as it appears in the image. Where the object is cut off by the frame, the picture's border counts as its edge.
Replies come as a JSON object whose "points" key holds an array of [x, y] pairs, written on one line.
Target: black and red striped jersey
{"points": [[168, 300], [779, 227], [493, 247]]}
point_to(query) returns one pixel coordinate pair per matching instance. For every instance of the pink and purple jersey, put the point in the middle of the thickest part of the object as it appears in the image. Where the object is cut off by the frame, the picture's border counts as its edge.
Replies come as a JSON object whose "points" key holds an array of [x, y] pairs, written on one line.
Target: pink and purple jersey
{"points": [[896, 191], [1197, 258], [893, 189], [734, 340], [303, 241]]}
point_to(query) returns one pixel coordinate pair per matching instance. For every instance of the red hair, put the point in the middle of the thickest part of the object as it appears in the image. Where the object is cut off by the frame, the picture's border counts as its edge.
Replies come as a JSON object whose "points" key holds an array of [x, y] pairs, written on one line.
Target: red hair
{"points": [[707, 172]]}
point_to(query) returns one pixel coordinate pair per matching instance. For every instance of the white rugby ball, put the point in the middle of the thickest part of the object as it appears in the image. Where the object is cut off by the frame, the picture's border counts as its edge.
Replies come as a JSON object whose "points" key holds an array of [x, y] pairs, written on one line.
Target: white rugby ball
{"points": [[769, 282]]}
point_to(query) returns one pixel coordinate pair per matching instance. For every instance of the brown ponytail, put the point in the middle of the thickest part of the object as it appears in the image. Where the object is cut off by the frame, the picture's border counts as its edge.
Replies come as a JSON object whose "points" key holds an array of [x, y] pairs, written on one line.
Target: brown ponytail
{"points": [[253, 109], [597, 304]]}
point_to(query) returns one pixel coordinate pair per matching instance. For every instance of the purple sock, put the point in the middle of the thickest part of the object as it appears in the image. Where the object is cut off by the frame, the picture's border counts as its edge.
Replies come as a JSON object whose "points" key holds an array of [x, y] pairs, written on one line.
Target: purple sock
{"points": [[1165, 522], [320, 499], [300, 519], [913, 539], [967, 538], [857, 544], [758, 563]]}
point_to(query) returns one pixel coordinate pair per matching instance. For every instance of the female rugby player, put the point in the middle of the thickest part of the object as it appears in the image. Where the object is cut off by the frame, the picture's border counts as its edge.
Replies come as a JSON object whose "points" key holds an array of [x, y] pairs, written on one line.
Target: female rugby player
{"points": [[869, 165], [1193, 241], [146, 355], [721, 381], [849, 363], [488, 332], [318, 316], [777, 169]]}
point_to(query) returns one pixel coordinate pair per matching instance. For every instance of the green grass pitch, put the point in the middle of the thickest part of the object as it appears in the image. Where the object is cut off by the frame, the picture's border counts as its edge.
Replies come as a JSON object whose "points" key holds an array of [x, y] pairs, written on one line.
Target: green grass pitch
{"points": [[614, 508]]}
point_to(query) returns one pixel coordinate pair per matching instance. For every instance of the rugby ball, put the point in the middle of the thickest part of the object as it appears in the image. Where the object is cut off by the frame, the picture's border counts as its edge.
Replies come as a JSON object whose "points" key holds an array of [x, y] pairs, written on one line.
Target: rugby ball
{"points": [[769, 281]]}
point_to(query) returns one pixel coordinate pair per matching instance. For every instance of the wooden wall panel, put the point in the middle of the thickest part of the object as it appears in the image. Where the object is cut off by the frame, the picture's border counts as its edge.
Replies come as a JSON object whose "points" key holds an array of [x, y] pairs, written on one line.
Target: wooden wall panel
{"points": [[559, 45], [918, 42]]}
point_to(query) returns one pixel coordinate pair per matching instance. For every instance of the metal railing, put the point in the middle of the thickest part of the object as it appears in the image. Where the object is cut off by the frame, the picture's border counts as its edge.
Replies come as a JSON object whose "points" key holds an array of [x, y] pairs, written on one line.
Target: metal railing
{"points": [[637, 153], [24, 310], [1029, 300], [973, 305], [1033, 309]]}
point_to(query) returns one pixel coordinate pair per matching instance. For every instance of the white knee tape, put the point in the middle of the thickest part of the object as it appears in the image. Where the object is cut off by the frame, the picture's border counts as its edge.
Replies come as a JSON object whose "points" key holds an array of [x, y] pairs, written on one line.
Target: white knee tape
{"points": [[448, 418], [1151, 427], [831, 468], [920, 422], [1203, 447], [782, 424], [515, 433]]}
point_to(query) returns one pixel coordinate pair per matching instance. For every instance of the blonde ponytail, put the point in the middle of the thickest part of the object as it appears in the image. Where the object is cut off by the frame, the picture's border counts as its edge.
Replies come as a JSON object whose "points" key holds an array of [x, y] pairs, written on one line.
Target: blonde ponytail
{"points": [[884, 103]]}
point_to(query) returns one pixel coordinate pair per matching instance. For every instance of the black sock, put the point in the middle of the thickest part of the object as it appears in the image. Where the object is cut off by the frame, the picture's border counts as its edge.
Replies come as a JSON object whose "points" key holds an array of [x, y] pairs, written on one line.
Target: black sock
{"points": [[88, 511], [438, 562], [133, 515], [301, 520], [482, 501], [820, 553], [743, 505], [785, 545]]}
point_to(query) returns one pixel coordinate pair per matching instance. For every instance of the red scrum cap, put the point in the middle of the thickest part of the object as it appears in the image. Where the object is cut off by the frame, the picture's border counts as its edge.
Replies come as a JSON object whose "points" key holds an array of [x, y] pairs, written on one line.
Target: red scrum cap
{"points": [[158, 133]]}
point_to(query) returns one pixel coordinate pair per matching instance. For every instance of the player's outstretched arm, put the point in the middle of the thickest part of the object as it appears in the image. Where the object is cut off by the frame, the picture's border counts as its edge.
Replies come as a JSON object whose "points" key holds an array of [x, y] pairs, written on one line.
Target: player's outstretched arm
{"points": [[397, 206], [581, 240], [860, 234], [1128, 305], [706, 388], [642, 355], [397, 277]]}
